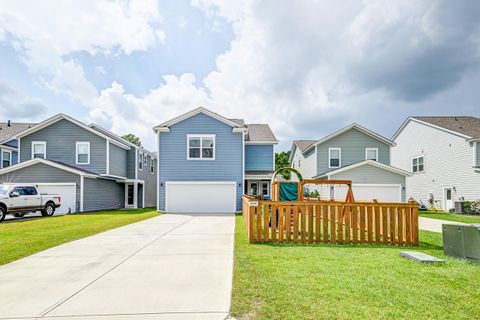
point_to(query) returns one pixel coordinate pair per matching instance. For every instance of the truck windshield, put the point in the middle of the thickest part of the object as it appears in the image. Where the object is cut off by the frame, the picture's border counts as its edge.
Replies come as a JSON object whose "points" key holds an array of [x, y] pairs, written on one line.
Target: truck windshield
{"points": [[4, 189]]}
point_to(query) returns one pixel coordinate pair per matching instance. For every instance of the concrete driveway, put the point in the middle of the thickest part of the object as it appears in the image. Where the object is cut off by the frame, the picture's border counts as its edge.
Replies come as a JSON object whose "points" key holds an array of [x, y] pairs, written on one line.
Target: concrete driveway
{"points": [[434, 225], [169, 267]]}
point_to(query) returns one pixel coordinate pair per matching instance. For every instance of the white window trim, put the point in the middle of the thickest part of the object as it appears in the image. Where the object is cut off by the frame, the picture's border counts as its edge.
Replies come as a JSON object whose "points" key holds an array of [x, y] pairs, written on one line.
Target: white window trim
{"points": [[268, 188], [371, 149], [201, 136], [145, 160], [141, 156], [10, 162], [76, 152], [152, 166], [418, 157], [339, 157], [44, 143]]}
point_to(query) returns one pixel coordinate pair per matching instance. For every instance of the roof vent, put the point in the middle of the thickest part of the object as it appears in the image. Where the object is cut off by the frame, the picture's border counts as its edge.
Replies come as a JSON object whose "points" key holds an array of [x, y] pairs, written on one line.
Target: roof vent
{"points": [[456, 119], [9, 124]]}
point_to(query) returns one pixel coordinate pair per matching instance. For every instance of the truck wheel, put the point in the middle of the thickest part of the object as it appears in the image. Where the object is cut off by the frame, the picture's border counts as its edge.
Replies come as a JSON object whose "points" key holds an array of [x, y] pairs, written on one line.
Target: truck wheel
{"points": [[3, 213], [49, 210]]}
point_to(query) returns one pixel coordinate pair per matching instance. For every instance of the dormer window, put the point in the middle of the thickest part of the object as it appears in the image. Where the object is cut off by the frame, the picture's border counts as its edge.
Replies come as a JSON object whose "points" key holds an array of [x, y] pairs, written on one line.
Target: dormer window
{"points": [[334, 157], [201, 147], [39, 149], [371, 154]]}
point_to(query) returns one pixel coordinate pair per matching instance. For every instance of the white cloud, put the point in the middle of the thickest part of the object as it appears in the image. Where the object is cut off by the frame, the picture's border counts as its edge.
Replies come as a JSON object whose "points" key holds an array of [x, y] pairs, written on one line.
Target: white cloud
{"points": [[46, 32], [14, 105]]}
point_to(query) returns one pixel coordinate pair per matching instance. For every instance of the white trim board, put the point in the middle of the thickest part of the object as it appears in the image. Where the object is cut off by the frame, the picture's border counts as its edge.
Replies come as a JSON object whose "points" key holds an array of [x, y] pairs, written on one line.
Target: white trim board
{"points": [[201, 136], [367, 162], [44, 143], [194, 112]]}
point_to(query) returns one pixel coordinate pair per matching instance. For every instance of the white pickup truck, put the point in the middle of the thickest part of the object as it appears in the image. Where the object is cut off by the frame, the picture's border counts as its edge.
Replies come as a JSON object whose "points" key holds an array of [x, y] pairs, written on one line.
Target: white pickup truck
{"points": [[22, 199]]}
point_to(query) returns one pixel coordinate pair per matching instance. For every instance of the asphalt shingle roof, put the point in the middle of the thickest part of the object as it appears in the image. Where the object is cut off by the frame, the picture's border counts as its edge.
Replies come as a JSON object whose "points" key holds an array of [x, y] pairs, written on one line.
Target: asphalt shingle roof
{"points": [[469, 126], [7, 132], [260, 132], [304, 144]]}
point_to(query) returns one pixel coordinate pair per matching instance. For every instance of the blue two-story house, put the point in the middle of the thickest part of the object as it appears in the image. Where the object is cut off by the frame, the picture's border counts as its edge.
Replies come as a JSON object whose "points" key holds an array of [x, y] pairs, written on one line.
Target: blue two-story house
{"points": [[91, 168], [206, 162], [352, 153]]}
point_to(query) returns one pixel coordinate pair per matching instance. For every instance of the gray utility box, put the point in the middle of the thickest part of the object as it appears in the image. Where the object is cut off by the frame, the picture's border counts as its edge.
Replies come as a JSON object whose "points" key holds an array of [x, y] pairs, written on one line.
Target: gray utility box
{"points": [[462, 241]]}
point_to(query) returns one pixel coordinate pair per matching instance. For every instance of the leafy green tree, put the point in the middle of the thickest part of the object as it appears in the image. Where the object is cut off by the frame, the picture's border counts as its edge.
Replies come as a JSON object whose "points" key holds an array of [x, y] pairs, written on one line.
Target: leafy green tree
{"points": [[133, 139], [281, 161]]}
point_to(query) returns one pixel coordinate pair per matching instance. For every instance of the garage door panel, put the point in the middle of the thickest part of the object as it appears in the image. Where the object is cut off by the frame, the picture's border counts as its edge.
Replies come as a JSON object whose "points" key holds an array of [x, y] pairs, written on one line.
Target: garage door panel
{"points": [[201, 197], [384, 193], [67, 193]]}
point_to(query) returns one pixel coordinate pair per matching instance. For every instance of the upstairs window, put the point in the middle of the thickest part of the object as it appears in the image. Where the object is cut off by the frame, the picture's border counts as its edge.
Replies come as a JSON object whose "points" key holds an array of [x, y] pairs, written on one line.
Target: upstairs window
{"points": [[39, 149], [371, 154], [201, 147], [6, 159], [418, 164], [334, 157], [145, 160], [83, 152], [152, 166], [140, 161]]}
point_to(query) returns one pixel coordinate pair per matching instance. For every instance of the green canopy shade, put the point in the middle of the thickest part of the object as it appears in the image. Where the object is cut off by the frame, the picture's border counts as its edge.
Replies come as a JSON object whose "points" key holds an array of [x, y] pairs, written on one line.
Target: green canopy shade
{"points": [[288, 191]]}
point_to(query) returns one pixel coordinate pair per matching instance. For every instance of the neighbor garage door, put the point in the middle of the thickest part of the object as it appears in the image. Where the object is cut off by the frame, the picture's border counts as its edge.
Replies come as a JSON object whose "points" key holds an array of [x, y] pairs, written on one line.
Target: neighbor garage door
{"points": [[385, 193], [67, 192], [201, 197]]}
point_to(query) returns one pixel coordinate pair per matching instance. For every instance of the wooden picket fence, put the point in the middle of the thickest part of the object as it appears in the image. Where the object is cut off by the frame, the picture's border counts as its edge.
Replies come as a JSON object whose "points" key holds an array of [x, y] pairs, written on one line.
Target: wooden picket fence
{"points": [[331, 222]]}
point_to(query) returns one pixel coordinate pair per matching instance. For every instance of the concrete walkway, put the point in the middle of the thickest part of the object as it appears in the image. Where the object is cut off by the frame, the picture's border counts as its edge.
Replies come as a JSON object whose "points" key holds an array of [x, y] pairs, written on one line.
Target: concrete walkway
{"points": [[434, 225], [168, 267]]}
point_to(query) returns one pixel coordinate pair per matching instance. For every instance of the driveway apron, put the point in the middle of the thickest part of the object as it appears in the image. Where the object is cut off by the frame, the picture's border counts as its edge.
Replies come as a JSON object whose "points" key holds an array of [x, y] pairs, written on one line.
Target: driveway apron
{"points": [[175, 266]]}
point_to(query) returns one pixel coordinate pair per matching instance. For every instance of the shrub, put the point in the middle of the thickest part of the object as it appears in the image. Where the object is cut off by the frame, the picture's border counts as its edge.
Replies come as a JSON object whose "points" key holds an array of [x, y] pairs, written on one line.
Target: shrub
{"points": [[471, 207]]}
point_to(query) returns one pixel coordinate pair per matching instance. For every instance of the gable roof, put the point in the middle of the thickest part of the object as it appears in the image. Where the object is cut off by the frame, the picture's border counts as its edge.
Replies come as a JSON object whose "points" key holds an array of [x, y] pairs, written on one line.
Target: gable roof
{"points": [[352, 126], [61, 116], [303, 144], [9, 130], [194, 112], [258, 132], [363, 163], [465, 126], [55, 164]]}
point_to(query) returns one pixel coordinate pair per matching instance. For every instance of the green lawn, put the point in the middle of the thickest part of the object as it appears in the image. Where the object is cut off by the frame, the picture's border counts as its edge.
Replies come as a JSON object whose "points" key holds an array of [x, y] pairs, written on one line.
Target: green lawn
{"points": [[287, 281], [19, 239], [451, 217]]}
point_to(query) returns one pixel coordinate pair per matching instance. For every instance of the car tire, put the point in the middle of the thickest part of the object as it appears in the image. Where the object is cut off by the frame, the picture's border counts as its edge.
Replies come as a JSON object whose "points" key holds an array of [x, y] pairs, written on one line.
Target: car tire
{"points": [[3, 213], [49, 210]]}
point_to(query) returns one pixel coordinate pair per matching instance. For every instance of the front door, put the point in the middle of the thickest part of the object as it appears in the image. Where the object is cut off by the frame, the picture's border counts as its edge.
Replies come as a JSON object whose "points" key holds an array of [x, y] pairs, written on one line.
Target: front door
{"points": [[130, 194], [448, 198]]}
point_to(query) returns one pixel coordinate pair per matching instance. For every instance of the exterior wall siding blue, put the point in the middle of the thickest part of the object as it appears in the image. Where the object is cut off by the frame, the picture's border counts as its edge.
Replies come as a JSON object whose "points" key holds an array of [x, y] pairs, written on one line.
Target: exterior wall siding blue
{"points": [[150, 187], [259, 157], [227, 165], [353, 144], [61, 138], [118, 160]]}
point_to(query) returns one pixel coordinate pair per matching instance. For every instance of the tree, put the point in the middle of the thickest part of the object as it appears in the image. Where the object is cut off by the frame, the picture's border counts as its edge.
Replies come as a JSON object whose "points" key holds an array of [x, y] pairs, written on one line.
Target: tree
{"points": [[133, 139], [281, 161]]}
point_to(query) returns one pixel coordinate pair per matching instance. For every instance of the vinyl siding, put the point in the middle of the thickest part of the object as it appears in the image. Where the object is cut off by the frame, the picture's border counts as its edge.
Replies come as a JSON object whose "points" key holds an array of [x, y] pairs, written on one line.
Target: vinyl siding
{"points": [[118, 161], [477, 156], [368, 174], [353, 144], [259, 158], [227, 165], [103, 194], [131, 163], [61, 138], [150, 187], [41, 173], [12, 143], [307, 162], [448, 163]]}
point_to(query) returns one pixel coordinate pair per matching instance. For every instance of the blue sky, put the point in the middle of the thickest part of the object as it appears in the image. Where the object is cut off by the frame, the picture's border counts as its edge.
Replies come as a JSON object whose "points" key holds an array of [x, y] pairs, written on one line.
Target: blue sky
{"points": [[306, 68]]}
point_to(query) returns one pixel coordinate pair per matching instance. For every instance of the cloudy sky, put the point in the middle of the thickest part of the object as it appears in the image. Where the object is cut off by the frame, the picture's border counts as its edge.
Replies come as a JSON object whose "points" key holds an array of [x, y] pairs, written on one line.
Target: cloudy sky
{"points": [[305, 67]]}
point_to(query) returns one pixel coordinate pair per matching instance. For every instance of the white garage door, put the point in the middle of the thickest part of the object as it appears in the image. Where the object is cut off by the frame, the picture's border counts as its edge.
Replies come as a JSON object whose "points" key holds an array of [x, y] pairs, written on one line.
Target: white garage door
{"points": [[383, 193], [67, 193], [201, 197]]}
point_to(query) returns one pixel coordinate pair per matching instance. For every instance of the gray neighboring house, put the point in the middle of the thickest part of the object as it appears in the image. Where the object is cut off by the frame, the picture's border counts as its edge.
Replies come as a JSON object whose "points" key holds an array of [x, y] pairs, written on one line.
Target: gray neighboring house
{"points": [[90, 167], [9, 145], [352, 153]]}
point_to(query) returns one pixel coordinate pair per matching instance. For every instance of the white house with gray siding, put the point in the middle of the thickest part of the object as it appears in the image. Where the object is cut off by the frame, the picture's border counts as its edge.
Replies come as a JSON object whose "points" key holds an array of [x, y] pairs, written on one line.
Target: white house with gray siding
{"points": [[443, 153], [352, 153], [206, 162], [90, 167]]}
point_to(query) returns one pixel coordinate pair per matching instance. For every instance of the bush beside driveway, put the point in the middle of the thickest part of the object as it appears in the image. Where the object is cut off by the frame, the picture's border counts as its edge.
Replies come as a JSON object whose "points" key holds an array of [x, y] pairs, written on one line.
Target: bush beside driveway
{"points": [[22, 238], [288, 281]]}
